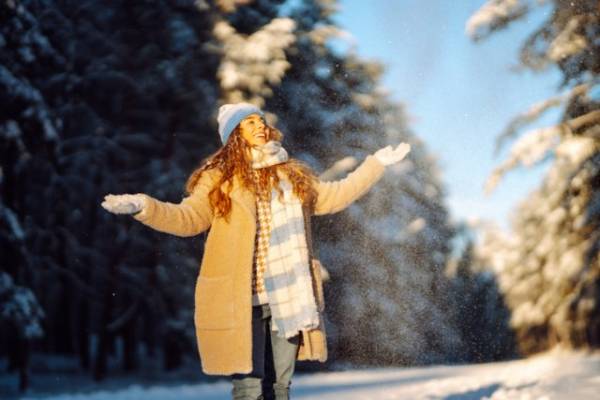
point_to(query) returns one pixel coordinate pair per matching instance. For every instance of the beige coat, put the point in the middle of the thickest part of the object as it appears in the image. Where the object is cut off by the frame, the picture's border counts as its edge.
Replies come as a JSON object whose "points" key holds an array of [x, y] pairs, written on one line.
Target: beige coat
{"points": [[223, 297]]}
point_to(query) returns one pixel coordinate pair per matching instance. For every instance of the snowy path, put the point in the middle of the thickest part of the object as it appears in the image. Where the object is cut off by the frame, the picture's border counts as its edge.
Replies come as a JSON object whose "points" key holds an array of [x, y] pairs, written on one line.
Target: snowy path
{"points": [[553, 375]]}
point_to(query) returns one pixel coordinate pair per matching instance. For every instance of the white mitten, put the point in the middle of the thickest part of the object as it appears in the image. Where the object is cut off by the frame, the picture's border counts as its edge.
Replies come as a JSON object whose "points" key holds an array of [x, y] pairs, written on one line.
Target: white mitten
{"points": [[124, 203], [389, 156]]}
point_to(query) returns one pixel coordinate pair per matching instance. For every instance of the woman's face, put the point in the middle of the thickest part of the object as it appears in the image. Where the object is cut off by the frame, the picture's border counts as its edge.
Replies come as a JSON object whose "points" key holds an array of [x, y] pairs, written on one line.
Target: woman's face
{"points": [[254, 130]]}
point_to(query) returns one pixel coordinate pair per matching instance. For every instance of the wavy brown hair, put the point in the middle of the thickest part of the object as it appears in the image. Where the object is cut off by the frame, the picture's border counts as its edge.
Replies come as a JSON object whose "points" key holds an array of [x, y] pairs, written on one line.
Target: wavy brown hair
{"points": [[233, 159]]}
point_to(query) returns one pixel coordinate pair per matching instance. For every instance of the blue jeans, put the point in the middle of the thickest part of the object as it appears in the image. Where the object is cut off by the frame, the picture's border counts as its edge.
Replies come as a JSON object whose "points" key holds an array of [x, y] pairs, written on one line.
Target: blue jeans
{"points": [[272, 366]]}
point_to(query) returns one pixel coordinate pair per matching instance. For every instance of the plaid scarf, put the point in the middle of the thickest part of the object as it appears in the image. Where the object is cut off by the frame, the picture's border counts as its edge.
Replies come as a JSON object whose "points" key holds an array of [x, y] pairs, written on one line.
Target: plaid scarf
{"points": [[282, 255]]}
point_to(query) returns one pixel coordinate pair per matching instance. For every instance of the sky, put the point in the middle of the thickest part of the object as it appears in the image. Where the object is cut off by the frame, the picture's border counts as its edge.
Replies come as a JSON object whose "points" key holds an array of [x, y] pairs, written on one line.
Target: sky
{"points": [[459, 94]]}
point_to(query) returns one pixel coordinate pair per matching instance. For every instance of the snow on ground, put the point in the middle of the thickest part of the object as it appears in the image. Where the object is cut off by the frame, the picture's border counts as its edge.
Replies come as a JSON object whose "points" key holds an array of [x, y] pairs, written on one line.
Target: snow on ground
{"points": [[557, 374]]}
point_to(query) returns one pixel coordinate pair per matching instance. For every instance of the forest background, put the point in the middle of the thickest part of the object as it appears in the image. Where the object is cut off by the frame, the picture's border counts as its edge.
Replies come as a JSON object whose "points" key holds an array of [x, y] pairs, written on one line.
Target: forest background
{"points": [[121, 97]]}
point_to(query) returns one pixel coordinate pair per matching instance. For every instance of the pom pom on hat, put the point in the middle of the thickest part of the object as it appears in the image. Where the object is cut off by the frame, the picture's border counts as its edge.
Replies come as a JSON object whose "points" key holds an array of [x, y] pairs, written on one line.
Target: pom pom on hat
{"points": [[232, 114]]}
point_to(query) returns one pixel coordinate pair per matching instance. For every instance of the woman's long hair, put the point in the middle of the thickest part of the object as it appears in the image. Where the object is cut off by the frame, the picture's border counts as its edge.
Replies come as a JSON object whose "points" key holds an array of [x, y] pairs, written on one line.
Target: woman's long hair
{"points": [[233, 159]]}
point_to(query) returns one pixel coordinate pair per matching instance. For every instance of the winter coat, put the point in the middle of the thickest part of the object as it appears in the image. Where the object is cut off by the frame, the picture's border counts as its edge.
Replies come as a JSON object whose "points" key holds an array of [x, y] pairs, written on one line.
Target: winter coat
{"points": [[223, 297]]}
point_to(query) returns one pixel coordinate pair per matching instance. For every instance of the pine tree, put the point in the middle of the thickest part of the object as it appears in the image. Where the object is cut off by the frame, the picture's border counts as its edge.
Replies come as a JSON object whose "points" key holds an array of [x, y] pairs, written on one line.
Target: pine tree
{"points": [[548, 265], [102, 98]]}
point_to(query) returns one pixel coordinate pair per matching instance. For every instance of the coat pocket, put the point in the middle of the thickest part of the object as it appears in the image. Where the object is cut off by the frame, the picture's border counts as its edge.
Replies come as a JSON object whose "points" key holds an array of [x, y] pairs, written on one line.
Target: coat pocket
{"points": [[214, 303]]}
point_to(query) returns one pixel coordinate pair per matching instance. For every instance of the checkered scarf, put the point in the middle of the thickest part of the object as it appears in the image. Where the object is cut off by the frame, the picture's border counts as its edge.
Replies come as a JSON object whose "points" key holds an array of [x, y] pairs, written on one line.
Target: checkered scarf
{"points": [[283, 250]]}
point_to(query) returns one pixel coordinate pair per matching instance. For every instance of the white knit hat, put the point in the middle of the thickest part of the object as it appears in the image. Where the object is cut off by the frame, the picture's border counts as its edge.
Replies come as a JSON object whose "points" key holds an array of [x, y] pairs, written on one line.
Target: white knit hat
{"points": [[232, 114]]}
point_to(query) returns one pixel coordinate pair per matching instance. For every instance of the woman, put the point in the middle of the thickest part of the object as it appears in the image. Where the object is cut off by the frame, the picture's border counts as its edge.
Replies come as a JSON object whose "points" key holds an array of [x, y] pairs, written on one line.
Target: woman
{"points": [[257, 275]]}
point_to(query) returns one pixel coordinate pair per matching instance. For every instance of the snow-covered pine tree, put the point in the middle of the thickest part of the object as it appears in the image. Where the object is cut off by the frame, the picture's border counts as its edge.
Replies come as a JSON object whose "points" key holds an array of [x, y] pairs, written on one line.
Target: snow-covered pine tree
{"points": [[389, 298], [102, 98], [548, 265], [20, 319], [476, 301], [252, 40]]}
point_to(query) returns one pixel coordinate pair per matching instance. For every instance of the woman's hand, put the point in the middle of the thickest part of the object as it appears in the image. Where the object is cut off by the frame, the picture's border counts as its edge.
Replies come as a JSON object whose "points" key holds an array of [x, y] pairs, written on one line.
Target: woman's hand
{"points": [[389, 156], [124, 203]]}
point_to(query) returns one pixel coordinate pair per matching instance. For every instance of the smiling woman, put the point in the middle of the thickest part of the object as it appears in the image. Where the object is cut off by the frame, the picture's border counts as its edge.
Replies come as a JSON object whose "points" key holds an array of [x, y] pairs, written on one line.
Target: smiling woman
{"points": [[254, 130], [258, 281]]}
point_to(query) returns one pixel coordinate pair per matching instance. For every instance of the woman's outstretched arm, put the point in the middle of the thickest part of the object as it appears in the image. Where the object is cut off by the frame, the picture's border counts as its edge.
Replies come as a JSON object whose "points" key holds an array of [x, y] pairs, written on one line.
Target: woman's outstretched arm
{"points": [[190, 217], [337, 195]]}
